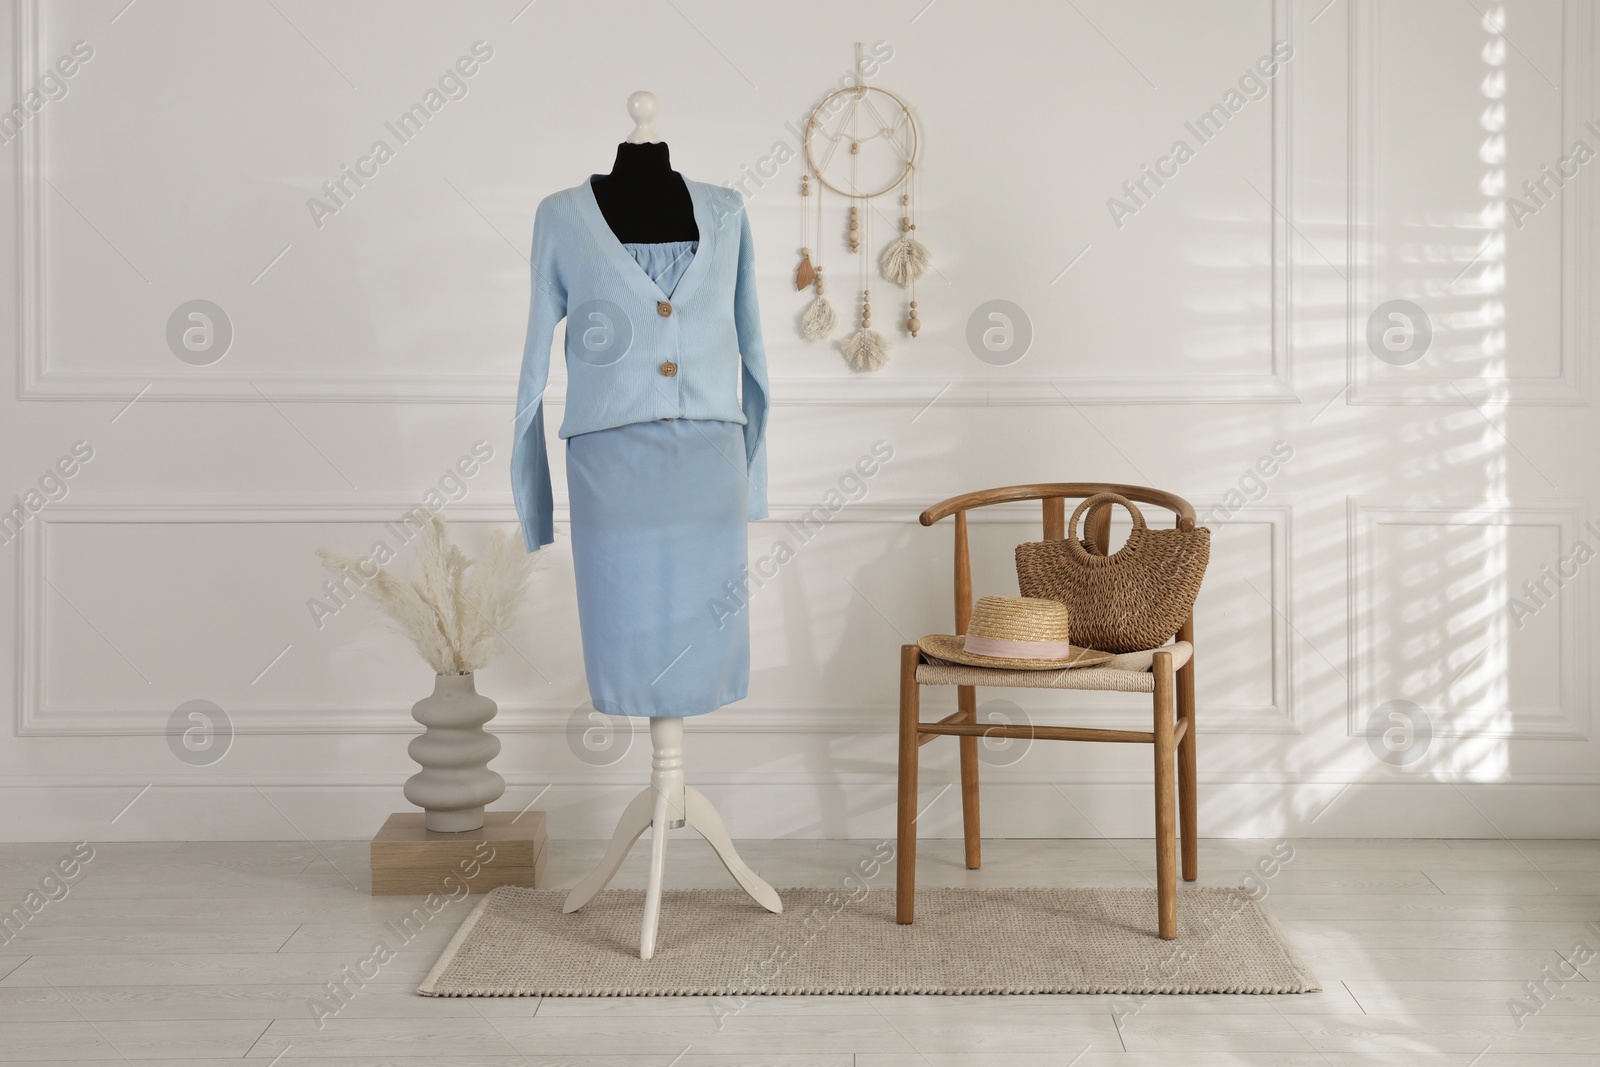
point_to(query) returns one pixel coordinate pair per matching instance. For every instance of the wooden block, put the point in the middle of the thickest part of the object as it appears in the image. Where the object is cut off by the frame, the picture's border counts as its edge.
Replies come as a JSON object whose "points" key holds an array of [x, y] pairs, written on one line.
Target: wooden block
{"points": [[405, 842], [409, 859]]}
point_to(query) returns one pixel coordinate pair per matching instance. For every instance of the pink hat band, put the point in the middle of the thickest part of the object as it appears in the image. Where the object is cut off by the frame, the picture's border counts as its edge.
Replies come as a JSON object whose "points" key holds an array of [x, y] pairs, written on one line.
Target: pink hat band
{"points": [[999, 648]]}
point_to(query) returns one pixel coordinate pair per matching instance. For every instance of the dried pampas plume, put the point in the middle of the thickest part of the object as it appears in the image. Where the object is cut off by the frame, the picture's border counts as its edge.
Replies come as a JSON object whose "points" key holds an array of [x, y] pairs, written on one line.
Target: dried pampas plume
{"points": [[904, 260], [819, 320], [865, 350], [455, 607]]}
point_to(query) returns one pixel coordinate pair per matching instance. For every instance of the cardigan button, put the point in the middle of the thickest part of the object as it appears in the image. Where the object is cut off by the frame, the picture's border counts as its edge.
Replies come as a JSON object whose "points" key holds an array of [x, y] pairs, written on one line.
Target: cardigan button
{"points": [[669, 368], [663, 309]]}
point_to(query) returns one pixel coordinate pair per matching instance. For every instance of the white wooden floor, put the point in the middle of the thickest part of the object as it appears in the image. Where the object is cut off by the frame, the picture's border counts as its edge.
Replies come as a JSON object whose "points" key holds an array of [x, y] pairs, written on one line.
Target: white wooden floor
{"points": [[202, 954]]}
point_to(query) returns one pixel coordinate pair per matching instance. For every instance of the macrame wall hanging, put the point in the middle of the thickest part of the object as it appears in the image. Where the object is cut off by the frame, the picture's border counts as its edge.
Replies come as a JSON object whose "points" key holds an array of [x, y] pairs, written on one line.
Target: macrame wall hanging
{"points": [[879, 138]]}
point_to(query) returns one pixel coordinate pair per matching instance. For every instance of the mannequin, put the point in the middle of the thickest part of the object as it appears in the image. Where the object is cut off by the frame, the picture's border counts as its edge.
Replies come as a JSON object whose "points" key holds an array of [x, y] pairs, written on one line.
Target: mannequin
{"points": [[644, 200]]}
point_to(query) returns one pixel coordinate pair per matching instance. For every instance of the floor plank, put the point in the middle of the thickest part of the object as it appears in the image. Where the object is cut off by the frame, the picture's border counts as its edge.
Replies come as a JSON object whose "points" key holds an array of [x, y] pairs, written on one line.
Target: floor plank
{"points": [[442, 1038], [131, 1040], [101, 1003], [204, 969], [1408, 907], [1421, 964], [62, 938], [1449, 1034], [1311, 934], [1546, 880], [1487, 998]]}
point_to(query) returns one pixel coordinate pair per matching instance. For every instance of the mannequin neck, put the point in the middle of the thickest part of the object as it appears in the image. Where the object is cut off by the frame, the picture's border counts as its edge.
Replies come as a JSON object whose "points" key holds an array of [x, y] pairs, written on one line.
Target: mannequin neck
{"points": [[643, 199], [642, 162]]}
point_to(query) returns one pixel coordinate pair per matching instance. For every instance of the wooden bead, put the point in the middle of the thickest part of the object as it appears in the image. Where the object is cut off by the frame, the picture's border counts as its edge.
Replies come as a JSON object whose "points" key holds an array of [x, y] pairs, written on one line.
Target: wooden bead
{"points": [[855, 148]]}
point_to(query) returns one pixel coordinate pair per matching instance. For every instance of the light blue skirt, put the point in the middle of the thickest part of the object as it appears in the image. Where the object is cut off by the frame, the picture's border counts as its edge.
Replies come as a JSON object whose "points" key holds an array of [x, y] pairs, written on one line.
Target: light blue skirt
{"points": [[659, 547]]}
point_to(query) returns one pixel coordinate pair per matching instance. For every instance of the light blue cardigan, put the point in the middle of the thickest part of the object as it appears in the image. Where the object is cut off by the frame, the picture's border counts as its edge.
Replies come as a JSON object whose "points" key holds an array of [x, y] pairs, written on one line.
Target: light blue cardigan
{"points": [[622, 329]]}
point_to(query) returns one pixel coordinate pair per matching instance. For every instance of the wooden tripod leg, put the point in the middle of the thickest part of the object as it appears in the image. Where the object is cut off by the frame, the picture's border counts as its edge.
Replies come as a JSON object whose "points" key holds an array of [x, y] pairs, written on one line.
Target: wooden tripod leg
{"points": [[1166, 799], [660, 819], [635, 817], [905, 884], [704, 818]]}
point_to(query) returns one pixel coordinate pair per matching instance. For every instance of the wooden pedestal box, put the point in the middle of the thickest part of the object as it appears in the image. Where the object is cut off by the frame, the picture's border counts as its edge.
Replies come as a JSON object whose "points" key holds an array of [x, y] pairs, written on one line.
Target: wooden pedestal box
{"points": [[408, 859]]}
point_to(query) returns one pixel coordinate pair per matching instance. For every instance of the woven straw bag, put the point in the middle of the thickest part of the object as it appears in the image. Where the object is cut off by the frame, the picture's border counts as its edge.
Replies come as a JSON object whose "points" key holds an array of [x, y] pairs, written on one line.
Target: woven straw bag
{"points": [[1132, 600]]}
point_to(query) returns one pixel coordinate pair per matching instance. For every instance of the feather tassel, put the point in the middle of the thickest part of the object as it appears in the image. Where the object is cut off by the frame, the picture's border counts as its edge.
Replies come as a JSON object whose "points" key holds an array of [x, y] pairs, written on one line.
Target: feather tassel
{"points": [[819, 320], [865, 350], [904, 260]]}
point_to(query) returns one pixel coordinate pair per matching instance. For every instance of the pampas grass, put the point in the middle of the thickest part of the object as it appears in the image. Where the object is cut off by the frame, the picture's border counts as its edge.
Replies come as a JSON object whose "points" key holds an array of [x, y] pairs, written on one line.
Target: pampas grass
{"points": [[455, 607]]}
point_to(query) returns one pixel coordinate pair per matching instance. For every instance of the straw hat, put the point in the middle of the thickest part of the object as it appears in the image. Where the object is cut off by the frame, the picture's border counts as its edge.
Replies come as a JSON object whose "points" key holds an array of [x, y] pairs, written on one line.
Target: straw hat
{"points": [[1020, 633]]}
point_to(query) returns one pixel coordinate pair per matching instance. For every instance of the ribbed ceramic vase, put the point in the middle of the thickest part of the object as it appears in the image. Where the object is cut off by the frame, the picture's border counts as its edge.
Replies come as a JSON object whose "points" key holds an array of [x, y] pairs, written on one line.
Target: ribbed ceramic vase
{"points": [[455, 781]]}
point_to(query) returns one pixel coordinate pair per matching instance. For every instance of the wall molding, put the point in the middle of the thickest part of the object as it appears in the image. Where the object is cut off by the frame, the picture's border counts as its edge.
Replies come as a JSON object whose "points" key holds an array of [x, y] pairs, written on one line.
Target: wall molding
{"points": [[36, 716], [38, 380], [243, 809], [624, 774], [1408, 385], [1571, 718]]}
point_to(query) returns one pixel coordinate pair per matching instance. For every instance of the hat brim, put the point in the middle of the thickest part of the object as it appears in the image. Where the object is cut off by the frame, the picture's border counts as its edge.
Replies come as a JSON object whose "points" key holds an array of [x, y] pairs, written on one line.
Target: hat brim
{"points": [[948, 647]]}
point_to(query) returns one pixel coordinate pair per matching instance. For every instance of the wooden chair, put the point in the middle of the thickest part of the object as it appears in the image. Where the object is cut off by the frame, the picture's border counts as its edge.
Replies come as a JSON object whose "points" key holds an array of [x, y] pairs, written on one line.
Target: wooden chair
{"points": [[1169, 679]]}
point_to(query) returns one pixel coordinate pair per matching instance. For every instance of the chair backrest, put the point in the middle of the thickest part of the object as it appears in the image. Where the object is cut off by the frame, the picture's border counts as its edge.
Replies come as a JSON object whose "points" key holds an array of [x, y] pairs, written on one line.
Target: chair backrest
{"points": [[1054, 497]]}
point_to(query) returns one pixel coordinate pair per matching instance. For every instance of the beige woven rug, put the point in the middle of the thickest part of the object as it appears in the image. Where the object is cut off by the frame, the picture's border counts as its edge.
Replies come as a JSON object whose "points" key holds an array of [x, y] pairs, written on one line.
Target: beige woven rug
{"points": [[717, 942]]}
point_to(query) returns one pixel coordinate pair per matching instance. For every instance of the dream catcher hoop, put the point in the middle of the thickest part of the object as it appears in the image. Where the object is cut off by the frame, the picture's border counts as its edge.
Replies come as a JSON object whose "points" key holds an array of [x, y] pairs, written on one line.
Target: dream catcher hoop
{"points": [[890, 142]]}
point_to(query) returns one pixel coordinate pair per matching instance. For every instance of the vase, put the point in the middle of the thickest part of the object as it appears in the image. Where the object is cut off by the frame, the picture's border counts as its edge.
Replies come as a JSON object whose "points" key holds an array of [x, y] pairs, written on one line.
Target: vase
{"points": [[455, 781]]}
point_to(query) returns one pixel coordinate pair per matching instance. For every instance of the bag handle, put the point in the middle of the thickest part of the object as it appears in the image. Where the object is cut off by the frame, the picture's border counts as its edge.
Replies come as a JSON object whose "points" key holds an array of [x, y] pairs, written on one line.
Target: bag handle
{"points": [[1075, 546]]}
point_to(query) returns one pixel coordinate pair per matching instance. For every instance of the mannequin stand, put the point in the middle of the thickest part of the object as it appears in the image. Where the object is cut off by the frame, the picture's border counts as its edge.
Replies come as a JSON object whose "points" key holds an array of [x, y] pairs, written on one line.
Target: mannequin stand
{"points": [[665, 804]]}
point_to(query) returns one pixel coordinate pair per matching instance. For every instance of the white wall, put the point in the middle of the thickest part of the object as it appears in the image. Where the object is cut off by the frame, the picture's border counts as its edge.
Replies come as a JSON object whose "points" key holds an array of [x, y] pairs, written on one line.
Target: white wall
{"points": [[1228, 313]]}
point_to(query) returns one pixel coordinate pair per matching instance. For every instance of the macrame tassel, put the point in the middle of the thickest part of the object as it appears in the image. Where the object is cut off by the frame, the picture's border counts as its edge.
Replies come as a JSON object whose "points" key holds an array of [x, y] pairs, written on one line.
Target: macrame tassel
{"points": [[904, 260], [819, 319], [865, 350]]}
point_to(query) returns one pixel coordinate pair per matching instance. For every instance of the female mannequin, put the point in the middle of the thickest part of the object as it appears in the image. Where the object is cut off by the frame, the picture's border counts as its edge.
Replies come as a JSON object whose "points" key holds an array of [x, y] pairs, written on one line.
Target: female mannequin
{"points": [[664, 469]]}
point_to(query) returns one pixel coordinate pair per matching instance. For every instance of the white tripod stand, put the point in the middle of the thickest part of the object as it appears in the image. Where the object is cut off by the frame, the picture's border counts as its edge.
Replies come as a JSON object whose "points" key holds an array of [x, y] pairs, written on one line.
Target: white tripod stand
{"points": [[667, 803]]}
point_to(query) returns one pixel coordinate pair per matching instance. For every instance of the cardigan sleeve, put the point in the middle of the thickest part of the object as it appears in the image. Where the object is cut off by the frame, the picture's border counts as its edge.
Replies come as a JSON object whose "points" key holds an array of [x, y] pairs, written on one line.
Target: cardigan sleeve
{"points": [[530, 460], [753, 376]]}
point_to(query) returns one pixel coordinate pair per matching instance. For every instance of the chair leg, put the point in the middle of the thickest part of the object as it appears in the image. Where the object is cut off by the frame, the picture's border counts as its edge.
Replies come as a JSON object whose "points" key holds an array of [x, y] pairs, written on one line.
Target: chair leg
{"points": [[967, 700], [1188, 768], [1166, 799], [905, 884]]}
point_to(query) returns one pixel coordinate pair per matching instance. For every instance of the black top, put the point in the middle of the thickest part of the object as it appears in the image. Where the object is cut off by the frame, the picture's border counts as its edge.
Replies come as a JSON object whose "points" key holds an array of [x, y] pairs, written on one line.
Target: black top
{"points": [[643, 199]]}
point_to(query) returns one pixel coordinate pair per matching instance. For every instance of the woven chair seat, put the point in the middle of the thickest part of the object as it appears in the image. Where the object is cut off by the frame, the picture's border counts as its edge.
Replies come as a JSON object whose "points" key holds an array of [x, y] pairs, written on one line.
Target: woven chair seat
{"points": [[1107, 678]]}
